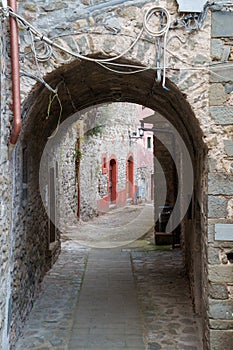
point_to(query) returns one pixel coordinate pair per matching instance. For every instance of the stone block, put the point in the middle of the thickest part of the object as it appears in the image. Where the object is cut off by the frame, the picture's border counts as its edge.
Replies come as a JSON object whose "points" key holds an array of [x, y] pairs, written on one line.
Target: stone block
{"points": [[224, 232], [216, 49], [220, 184], [212, 164], [222, 115], [221, 324], [113, 24], [221, 74], [217, 94], [213, 255], [228, 144], [221, 273], [217, 207], [221, 309], [200, 59], [218, 291], [222, 24], [210, 233], [221, 340], [228, 88]]}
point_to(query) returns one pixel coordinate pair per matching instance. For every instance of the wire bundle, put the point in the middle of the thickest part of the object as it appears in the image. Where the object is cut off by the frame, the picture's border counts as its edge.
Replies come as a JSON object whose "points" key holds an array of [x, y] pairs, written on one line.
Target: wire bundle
{"points": [[162, 32], [48, 44]]}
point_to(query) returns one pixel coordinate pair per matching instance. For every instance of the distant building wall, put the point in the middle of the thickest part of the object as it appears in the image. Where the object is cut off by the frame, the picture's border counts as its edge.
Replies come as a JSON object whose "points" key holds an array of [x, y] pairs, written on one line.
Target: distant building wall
{"points": [[198, 102], [103, 140]]}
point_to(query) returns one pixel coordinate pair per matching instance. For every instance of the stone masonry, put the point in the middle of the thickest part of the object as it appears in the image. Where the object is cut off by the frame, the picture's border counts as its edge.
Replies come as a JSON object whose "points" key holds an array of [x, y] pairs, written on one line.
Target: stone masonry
{"points": [[196, 99], [103, 132]]}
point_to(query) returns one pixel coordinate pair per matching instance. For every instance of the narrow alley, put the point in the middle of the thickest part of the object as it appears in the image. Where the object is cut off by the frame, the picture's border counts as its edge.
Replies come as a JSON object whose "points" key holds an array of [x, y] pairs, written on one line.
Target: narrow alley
{"points": [[129, 297], [111, 104]]}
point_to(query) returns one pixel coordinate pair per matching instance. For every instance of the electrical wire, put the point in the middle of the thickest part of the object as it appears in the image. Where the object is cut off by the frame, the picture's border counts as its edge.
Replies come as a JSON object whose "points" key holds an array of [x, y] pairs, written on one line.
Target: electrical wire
{"points": [[46, 53], [152, 11], [102, 62], [48, 41], [51, 99], [105, 63], [38, 79], [122, 72], [158, 33], [37, 64]]}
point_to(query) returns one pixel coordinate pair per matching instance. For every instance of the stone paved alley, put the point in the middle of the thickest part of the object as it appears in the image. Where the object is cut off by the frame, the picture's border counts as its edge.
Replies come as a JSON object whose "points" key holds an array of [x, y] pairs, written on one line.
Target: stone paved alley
{"points": [[131, 297]]}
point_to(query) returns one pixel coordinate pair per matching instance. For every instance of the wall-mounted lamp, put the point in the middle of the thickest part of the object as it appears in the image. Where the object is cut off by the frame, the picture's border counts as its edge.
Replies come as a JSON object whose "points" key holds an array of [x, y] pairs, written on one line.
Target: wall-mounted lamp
{"points": [[135, 136]]}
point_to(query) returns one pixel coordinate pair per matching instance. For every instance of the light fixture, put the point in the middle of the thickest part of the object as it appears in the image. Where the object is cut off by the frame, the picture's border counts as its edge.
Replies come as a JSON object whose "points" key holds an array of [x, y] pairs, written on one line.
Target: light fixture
{"points": [[135, 136], [141, 132]]}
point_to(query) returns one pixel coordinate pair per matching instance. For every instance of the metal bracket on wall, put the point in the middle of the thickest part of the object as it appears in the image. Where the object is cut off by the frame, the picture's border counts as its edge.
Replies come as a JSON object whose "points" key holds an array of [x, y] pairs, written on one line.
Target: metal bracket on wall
{"points": [[191, 6]]}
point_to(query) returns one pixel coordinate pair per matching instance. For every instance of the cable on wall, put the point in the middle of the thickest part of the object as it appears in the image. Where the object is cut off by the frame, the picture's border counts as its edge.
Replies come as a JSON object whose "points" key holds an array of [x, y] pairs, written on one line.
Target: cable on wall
{"points": [[162, 32], [44, 50]]}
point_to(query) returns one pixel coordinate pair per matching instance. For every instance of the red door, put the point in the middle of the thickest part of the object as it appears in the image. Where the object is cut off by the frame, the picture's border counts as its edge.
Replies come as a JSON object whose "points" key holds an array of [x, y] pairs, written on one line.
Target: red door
{"points": [[130, 178], [112, 181]]}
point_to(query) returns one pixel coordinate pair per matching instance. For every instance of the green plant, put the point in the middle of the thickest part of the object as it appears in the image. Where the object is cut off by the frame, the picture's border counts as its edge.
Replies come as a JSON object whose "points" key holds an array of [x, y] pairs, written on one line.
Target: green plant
{"points": [[96, 131], [78, 154], [97, 170]]}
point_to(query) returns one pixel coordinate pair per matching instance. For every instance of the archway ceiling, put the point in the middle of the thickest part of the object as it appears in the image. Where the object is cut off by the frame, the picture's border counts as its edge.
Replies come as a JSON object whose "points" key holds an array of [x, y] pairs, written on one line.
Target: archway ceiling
{"points": [[85, 84]]}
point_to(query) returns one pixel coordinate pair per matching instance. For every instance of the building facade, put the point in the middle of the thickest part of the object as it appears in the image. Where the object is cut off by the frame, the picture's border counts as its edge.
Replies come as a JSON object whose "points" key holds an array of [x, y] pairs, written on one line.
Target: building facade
{"points": [[101, 164], [78, 54]]}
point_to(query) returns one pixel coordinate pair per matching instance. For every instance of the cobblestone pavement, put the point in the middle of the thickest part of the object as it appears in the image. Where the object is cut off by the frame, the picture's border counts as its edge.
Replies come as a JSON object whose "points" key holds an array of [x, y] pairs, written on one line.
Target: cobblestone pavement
{"points": [[51, 319], [164, 297], [114, 229], [107, 316], [133, 297]]}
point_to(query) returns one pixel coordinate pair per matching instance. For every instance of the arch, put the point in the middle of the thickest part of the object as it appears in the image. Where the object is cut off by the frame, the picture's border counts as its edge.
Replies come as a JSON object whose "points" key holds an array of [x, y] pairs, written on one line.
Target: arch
{"points": [[84, 84]]}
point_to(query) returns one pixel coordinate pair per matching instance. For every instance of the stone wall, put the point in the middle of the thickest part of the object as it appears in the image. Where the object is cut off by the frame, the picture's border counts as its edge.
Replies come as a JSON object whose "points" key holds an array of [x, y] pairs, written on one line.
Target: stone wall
{"points": [[32, 253], [104, 131], [67, 177], [112, 123], [5, 186], [127, 20], [220, 183], [100, 28]]}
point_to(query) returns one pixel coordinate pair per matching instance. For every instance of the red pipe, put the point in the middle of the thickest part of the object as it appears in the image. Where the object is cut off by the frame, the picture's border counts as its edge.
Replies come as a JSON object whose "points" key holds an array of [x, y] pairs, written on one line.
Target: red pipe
{"points": [[15, 71]]}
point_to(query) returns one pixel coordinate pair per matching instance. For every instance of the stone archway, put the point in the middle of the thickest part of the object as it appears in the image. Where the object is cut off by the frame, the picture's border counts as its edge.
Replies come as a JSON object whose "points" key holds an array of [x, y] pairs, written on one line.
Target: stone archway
{"points": [[81, 85], [108, 29]]}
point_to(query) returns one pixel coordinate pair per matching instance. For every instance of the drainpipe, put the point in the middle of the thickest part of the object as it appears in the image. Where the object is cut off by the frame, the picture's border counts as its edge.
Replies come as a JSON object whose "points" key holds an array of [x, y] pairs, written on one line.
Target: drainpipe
{"points": [[15, 79]]}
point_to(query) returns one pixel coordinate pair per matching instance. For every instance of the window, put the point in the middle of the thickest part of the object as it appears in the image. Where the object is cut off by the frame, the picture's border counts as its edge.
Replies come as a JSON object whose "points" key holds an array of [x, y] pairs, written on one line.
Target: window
{"points": [[148, 142], [104, 163]]}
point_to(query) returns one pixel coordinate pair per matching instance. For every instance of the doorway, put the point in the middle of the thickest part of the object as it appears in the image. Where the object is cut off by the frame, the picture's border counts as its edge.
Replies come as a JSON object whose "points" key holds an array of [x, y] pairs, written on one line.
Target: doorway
{"points": [[112, 181], [130, 178]]}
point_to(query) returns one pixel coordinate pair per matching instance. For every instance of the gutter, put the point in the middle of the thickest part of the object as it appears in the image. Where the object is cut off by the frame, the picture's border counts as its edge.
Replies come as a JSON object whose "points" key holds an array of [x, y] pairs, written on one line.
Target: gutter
{"points": [[15, 71]]}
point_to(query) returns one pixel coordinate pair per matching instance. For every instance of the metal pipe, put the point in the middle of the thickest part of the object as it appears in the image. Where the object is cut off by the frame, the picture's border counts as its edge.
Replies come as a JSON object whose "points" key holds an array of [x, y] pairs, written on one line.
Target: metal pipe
{"points": [[15, 71]]}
